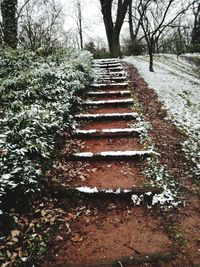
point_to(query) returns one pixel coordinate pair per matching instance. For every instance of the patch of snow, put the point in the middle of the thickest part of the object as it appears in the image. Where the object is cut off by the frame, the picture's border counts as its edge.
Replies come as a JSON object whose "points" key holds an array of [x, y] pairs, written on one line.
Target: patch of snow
{"points": [[128, 130], [108, 84], [128, 100], [107, 115], [137, 199], [109, 92], [87, 189], [116, 130], [126, 153], [86, 131], [84, 154]]}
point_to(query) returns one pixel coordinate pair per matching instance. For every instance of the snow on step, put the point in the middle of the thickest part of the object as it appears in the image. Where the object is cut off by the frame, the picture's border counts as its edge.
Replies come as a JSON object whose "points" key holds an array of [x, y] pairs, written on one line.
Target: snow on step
{"points": [[116, 130], [109, 78], [106, 60], [108, 72], [109, 84], [127, 115], [101, 93], [108, 65], [109, 132], [134, 190], [112, 154], [108, 102]]}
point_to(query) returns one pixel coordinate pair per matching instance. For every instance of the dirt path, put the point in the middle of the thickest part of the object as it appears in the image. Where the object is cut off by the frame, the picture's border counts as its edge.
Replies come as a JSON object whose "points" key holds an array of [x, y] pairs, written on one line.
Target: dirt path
{"points": [[110, 222]]}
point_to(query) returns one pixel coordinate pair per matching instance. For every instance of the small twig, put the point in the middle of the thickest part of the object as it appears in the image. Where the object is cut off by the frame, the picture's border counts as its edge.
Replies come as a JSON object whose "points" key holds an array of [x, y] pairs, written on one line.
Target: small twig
{"points": [[134, 250], [120, 264]]}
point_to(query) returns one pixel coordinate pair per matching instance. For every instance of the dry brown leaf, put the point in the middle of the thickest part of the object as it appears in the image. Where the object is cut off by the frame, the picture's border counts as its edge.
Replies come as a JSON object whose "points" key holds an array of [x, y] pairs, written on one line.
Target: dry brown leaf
{"points": [[59, 238], [14, 256], [8, 254], [77, 238], [15, 240], [15, 233]]}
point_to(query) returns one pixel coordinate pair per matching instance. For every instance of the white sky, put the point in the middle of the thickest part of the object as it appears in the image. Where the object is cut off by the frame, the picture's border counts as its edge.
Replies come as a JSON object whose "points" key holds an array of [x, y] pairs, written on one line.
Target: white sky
{"points": [[92, 20]]}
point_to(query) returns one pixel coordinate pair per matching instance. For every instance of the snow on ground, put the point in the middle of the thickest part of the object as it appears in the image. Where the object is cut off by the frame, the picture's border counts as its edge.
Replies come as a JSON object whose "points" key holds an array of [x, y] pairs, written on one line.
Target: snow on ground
{"points": [[177, 83]]}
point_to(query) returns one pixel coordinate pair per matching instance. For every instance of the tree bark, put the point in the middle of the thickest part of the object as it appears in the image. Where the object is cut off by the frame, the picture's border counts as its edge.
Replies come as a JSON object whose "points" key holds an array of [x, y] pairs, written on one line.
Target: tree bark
{"points": [[132, 36], [9, 22], [113, 29], [151, 62]]}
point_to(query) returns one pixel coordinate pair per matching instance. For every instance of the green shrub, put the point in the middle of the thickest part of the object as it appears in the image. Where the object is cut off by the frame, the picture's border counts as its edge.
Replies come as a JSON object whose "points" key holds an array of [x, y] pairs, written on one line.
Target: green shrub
{"points": [[35, 94]]}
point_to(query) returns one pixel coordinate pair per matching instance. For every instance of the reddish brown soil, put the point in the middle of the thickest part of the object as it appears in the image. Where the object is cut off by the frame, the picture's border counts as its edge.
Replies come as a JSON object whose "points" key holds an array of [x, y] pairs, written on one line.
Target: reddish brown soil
{"points": [[111, 144], [123, 232], [110, 110], [168, 139], [107, 231], [105, 124], [103, 175], [110, 88], [110, 97]]}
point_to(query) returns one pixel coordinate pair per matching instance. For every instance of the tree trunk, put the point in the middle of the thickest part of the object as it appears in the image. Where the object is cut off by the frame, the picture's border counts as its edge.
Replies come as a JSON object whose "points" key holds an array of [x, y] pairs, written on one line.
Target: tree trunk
{"points": [[130, 21], [9, 21], [116, 46], [113, 30], [151, 61]]}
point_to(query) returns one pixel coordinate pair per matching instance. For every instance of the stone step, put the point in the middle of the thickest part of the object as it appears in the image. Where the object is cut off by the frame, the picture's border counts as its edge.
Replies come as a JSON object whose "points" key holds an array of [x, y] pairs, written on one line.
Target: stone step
{"points": [[109, 93], [112, 102], [108, 116], [108, 132], [132, 154]]}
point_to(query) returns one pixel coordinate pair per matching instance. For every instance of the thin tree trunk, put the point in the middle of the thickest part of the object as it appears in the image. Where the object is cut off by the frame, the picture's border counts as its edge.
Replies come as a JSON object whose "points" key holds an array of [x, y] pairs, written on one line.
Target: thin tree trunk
{"points": [[9, 21], [132, 36], [80, 24], [151, 60]]}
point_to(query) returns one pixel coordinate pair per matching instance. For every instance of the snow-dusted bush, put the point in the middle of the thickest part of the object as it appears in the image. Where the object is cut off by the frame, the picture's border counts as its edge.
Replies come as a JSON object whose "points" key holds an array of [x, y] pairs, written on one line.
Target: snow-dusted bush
{"points": [[36, 94]]}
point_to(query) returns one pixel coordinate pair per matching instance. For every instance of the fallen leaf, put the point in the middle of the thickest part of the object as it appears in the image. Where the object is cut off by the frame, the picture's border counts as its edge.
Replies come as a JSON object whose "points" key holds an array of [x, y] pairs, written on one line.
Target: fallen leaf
{"points": [[15, 233], [77, 238], [8, 253], [59, 238]]}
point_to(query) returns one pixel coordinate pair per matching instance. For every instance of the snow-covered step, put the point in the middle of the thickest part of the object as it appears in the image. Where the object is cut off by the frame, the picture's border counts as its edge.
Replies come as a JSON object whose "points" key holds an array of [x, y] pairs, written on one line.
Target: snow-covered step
{"points": [[110, 78], [109, 132], [109, 93], [109, 84], [112, 102], [108, 116], [126, 194], [108, 60], [116, 69], [108, 73], [107, 65], [112, 155]]}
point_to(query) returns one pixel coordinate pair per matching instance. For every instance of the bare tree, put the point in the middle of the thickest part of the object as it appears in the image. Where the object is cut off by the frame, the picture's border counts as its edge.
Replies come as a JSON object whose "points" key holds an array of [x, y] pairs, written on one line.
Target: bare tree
{"points": [[9, 22], [156, 17], [41, 24], [113, 29]]}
